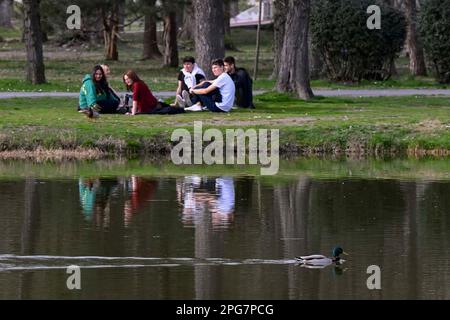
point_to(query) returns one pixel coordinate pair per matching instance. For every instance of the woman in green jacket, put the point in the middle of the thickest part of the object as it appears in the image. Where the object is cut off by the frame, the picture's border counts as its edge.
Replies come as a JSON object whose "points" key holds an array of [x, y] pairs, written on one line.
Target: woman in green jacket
{"points": [[96, 95]]}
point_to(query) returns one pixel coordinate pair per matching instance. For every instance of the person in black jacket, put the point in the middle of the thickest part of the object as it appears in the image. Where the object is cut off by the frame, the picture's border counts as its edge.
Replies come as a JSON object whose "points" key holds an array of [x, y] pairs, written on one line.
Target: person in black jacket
{"points": [[242, 82]]}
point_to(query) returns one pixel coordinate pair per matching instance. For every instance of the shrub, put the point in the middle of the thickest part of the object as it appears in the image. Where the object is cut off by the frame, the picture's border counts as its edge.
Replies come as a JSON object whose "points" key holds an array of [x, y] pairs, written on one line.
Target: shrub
{"points": [[351, 51], [434, 22]]}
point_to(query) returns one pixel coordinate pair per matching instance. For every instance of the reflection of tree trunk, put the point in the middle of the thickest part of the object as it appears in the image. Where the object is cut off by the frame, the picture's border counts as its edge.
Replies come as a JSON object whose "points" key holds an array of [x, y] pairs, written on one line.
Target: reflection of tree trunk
{"points": [[31, 217], [6, 10], [30, 228], [170, 40], [208, 244], [151, 49], [291, 204], [410, 239], [414, 45]]}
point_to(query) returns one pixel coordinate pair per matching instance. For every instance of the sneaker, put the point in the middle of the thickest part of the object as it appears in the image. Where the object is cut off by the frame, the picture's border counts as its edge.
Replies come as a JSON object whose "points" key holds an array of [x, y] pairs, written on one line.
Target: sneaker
{"points": [[187, 98], [87, 112], [97, 108], [179, 101], [90, 113], [95, 114], [122, 109], [195, 107]]}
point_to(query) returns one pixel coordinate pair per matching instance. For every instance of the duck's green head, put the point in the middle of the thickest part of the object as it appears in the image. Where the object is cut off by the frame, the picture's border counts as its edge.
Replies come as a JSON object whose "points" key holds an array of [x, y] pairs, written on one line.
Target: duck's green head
{"points": [[337, 251]]}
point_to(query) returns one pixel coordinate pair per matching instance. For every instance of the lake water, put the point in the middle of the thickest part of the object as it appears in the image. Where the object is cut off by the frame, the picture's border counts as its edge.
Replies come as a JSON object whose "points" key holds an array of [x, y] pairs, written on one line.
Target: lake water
{"points": [[142, 231]]}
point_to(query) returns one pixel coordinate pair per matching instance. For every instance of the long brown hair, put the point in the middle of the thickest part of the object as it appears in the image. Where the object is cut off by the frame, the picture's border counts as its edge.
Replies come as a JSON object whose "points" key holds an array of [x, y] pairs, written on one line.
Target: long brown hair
{"points": [[133, 76], [102, 85]]}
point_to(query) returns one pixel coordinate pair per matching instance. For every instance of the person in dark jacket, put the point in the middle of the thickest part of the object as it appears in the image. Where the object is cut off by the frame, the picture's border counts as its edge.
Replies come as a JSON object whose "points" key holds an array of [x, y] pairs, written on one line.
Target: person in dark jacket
{"points": [[242, 82]]}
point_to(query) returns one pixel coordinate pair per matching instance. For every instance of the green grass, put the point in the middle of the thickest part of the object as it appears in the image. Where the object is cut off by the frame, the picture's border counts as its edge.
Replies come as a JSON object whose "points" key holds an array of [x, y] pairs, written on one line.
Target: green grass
{"points": [[10, 33], [400, 82], [323, 125]]}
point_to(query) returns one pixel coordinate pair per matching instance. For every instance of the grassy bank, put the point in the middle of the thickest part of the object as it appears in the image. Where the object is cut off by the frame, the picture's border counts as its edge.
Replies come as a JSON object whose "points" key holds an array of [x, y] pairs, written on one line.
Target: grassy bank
{"points": [[362, 126]]}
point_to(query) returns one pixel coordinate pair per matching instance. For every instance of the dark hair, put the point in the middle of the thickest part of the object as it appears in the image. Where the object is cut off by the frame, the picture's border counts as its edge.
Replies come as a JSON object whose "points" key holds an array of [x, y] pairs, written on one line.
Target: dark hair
{"points": [[102, 85], [229, 60], [133, 76], [217, 62], [189, 59]]}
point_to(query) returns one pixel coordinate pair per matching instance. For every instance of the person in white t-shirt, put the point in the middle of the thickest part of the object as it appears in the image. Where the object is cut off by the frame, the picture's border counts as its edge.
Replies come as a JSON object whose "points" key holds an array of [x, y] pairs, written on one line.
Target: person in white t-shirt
{"points": [[216, 95]]}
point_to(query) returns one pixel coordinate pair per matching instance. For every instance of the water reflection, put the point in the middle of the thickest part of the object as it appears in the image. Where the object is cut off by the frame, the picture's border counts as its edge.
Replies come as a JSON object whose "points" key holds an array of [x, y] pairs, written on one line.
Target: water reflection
{"points": [[199, 237], [96, 194], [199, 196], [141, 191], [95, 197]]}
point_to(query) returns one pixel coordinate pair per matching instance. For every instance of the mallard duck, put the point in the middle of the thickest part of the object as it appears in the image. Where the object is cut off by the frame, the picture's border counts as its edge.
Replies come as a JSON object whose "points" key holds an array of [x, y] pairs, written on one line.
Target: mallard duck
{"points": [[320, 261]]}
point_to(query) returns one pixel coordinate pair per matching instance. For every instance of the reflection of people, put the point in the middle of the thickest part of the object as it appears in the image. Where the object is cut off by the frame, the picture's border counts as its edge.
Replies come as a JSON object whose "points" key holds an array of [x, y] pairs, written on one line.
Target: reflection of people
{"points": [[225, 199], [199, 195], [94, 198], [88, 190], [141, 190]]}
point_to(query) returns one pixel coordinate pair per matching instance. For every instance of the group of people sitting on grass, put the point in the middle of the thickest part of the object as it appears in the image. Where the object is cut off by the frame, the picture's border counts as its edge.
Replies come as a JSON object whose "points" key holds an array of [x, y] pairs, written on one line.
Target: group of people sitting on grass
{"points": [[231, 86]]}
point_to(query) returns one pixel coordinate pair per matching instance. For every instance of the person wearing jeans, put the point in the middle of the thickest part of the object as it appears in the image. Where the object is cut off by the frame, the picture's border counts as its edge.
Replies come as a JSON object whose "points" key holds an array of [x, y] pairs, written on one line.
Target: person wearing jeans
{"points": [[216, 95], [208, 100]]}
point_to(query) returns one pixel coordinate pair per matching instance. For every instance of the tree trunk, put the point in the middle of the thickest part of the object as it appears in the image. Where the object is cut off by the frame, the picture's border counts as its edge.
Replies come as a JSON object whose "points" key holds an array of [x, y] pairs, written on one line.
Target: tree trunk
{"points": [[258, 37], [35, 70], [316, 61], [6, 11], [280, 13], [229, 45], [122, 15], [209, 35], [170, 40], [111, 29], [414, 45], [151, 49], [227, 16], [293, 72], [234, 8], [188, 28]]}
